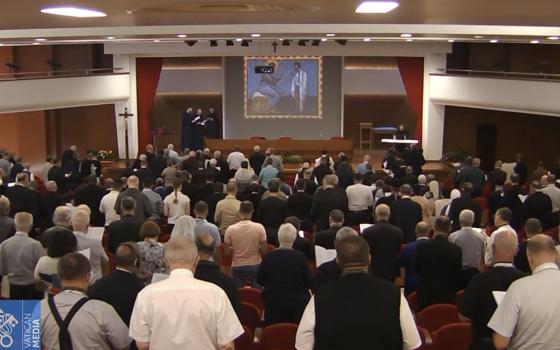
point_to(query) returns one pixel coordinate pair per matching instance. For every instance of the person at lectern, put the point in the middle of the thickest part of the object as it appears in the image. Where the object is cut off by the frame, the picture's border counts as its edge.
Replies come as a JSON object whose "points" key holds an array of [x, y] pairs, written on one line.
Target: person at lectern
{"points": [[401, 134], [187, 129], [198, 130], [299, 87]]}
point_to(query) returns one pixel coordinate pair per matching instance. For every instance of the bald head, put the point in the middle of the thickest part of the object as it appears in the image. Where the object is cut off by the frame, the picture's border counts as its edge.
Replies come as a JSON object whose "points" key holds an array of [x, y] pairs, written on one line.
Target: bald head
{"points": [[80, 221], [133, 182], [126, 256], [181, 253], [532, 227], [330, 180], [51, 186], [406, 190], [504, 247], [62, 216], [4, 206], [541, 250], [343, 233], [422, 229], [382, 212]]}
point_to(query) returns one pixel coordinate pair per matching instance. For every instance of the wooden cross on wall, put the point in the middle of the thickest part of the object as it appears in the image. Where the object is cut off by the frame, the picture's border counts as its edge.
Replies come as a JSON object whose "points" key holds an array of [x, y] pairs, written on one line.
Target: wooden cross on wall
{"points": [[125, 115]]}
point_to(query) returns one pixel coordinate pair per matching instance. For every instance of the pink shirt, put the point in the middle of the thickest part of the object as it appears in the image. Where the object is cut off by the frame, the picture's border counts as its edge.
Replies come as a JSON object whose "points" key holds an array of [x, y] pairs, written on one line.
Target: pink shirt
{"points": [[245, 238]]}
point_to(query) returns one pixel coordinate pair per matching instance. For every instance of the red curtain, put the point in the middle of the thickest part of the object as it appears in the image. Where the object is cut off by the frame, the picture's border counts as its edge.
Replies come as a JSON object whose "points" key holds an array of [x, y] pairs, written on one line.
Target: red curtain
{"points": [[412, 74], [147, 79]]}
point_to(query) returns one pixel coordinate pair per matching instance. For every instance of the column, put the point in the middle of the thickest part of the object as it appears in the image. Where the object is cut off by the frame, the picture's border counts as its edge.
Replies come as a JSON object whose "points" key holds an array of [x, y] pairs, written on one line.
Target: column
{"points": [[433, 115]]}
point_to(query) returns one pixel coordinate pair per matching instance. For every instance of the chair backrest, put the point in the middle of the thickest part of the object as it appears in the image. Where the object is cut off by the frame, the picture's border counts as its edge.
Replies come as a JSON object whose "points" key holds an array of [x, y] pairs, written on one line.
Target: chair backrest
{"points": [[164, 238], [435, 316], [281, 336], [422, 333], [412, 301], [454, 336], [245, 340], [226, 260], [250, 316], [252, 296]]}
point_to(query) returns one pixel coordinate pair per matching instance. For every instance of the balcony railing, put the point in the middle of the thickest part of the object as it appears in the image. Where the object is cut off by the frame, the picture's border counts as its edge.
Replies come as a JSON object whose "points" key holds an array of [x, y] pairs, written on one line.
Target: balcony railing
{"points": [[498, 74], [59, 73]]}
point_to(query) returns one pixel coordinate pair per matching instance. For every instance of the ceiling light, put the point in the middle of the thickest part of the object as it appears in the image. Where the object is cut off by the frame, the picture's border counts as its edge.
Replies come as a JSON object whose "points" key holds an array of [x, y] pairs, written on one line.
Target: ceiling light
{"points": [[331, 35], [40, 39], [182, 36], [280, 39], [534, 41], [238, 39], [406, 35], [129, 12], [324, 39], [156, 41], [408, 40], [73, 12], [553, 38], [36, 44], [377, 6], [367, 39], [450, 41], [110, 37], [478, 37], [494, 41], [255, 35]]}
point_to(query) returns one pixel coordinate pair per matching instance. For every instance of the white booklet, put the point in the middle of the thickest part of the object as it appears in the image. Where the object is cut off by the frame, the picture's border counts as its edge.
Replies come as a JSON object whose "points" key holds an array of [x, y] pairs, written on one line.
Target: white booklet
{"points": [[364, 226], [323, 255], [498, 296]]}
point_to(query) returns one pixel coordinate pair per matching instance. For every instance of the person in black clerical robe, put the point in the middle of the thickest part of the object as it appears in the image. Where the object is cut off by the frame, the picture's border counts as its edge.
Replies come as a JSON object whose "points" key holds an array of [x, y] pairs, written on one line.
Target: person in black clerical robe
{"points": [[401, 134], [210, 124], [187, 129], [198, 131]]}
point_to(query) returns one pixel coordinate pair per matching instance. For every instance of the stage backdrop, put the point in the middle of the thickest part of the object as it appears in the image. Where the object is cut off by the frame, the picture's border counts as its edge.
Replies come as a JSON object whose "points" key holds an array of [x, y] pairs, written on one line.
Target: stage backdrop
{"points": [[238, 125], [293, 90]]}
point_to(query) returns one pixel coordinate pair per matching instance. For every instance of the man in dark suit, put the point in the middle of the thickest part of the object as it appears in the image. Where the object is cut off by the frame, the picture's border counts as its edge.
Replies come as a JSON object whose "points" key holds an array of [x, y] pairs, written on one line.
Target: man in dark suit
{"points": [[158, 164], [409, 178], [497, 175], [213, 199], [144, 208], [462, 203], [408, 254], [68, 154], [405, 213], [512, 201], [127, 229], [415, 158], [384, 242], [56, 174], [256, 159], [121, 286], [326, 237], [521, 168], [272, 211], [326, 199], [49, 202], [532, 228], [472, 174], [495, 200], [91, 195], [538, 205], [208, 270], [299, 205], [438, 264], [22, 198], [478, 303]]}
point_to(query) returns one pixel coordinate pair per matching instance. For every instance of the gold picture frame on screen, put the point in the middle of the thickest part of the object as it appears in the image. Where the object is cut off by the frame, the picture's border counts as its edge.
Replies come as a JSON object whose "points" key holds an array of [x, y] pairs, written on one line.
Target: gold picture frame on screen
{"points": [[293, 91]]}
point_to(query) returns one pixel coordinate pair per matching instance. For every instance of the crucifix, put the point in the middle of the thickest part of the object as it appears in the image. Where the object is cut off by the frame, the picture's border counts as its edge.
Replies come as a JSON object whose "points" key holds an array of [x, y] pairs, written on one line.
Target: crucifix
{"points": [[125, 115], [275, 44]]}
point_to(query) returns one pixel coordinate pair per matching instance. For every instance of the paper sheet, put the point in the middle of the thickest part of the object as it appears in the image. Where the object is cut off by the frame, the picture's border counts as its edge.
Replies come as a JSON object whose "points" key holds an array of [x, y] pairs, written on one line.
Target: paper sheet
{"points": [[323, 255], [301, 234], [96, 232], [364, 226], [498, 296], [157, 277]]}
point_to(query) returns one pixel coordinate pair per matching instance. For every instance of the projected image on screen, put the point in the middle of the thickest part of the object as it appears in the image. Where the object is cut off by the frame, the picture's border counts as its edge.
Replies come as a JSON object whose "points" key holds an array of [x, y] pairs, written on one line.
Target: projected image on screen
{"points": [[293, 90]]}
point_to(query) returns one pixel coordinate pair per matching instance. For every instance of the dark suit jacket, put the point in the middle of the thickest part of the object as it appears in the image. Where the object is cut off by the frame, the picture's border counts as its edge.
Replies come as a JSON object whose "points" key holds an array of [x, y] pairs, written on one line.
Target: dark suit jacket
{"points": [[405, 214], [127, 229], [91, 195], [22, 199], [256, 161], [209, 271], [438, 264], [511, 200], [326, 237], [323, 202], [144, 208], [538, 205], [299, 205], [119, 289], [473, 175], [157, 165], [49, 202], [384, 242], [56, 174], [460, 204]]}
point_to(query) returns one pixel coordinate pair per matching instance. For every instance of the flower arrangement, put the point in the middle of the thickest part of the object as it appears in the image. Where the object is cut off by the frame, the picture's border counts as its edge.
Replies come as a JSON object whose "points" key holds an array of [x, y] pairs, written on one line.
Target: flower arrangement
{"points": [[105, 155]]}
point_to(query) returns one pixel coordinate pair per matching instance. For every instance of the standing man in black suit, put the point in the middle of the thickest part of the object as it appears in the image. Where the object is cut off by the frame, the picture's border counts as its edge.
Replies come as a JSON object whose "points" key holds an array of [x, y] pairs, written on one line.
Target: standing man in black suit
{"points": [[21, 197], [462, 203], [472, 174], [405, 213], [326, 199], [497, 175], [438, 264], [121, 286], [299, 205], [327, 237], [91, 195], [538, 205], [512, 201], [127, 229], [521, 168], [187, 129], [384, 242], [68, 154], [257, 159]]}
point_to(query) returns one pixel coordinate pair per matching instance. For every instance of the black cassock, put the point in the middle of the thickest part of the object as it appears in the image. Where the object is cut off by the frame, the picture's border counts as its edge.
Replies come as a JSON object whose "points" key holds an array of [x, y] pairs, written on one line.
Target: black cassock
{"points": [[186, 130], [198, 132], [210, 127]]}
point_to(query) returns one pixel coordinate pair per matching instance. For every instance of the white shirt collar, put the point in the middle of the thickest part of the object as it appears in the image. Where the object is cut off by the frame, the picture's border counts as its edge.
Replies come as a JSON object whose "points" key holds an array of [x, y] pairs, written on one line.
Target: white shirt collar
{"points": [[181, 273], [121, 269], [503, 265], [79, 233], [422, 238], [545, 266], [22, 233]]}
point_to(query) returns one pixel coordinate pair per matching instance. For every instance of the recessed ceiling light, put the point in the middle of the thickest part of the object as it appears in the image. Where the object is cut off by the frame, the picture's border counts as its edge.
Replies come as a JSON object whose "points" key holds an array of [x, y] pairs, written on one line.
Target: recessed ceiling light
{"points": [[478, 37], [324, 39], [406, 35], [73, 12], [408, 40], [110, 37], [331, 35], [493, 41], [377, 6], [156, 41], [129, 12], [1, 44], [534, 41], [553, 38], [40, 39], [255, 35], [181, 35], [238, 39], [36, 44], [280, 39], [367, 39], [450, 41]]}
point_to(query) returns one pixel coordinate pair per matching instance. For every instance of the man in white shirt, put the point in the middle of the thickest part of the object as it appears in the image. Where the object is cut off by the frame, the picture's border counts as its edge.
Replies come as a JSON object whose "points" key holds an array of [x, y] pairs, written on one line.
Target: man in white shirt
{"points": [[97, 257], [107, 205], [502, 219], [235, 158], [172, 154], [182, 312], [549, 188], [379, 302], [360, 200], [527, 317]]}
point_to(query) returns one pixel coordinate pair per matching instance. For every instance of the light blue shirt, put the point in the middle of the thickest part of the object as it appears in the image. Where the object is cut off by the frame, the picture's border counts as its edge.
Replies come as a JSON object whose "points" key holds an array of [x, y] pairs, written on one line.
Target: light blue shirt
{"points": [[361, 168], [267, 173], [203, 226]]}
